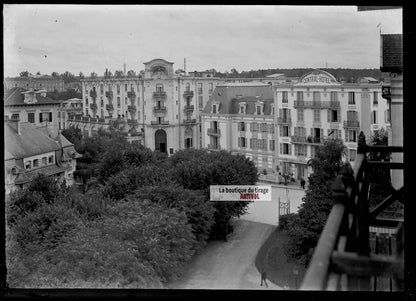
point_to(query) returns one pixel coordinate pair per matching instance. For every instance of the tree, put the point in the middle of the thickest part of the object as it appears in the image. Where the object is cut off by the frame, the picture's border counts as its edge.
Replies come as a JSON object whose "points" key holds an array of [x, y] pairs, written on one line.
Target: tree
{"points": [[55, 74], [118, 73], [93, 75], [131, 73], [38, 73], [305, 227], [81, 75], [24, 74], [74, 135]]}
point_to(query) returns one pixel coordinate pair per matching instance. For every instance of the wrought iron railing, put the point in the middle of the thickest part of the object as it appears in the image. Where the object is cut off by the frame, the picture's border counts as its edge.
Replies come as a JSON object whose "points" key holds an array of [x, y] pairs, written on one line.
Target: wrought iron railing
{"points": [[343, 259]]}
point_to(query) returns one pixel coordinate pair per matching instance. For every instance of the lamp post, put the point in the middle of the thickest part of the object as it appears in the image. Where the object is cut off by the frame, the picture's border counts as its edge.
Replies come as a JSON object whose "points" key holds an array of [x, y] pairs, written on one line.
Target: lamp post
{"points": [[296, 272]]}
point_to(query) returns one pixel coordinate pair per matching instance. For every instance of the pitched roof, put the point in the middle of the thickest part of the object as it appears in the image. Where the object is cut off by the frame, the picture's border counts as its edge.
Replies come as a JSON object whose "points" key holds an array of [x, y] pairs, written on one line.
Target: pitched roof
{"points": [[14, 97], [392, 52], [228, 94], [30, 142]]}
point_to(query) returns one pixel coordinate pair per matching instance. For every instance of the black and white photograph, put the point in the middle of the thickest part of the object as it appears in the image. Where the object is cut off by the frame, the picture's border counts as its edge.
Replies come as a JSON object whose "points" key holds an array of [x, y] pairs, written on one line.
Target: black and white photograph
{"points": [[203, 147]]}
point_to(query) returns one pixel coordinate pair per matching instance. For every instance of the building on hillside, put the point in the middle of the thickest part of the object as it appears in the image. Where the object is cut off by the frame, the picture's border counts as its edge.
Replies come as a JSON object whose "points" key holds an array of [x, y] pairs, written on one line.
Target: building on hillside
{"points": [[301, 116], [32, 106], [67, 109], [39, 82], [30, 150], [241, 118], [318, 107]]}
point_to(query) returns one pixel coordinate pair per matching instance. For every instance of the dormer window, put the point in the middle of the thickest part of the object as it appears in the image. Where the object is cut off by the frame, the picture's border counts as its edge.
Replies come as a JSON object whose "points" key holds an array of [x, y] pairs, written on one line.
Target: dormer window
{"points": [[28, 165], [242, 108], [259, 108], [214, 109]]}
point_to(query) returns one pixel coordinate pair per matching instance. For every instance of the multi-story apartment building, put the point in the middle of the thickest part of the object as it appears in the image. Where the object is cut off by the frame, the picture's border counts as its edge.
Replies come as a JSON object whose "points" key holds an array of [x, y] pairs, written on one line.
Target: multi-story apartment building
{"points": [[160, 104], [318, 108], [297, 118], [240, 117], [30, 150], [68, 108], [32, 106], [39, 82]]}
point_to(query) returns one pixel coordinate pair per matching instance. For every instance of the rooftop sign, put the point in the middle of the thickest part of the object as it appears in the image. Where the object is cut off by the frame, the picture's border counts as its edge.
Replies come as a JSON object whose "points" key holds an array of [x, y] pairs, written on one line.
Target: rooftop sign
{"points": [[318, 77]]}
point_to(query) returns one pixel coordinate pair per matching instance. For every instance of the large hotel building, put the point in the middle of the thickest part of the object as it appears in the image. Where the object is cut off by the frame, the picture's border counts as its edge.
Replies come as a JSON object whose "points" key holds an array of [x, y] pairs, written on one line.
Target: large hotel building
{"points": [[276, 121]]}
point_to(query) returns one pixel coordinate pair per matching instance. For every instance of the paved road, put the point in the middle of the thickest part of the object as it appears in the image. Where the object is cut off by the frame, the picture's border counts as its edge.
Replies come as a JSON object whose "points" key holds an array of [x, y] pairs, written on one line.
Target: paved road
{"points": [[230, 265]]}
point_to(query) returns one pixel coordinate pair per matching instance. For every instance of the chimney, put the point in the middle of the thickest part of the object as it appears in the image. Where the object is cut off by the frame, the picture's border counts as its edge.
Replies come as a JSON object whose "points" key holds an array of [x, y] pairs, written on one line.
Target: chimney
{"points": [[14, 123], [184, 65], [124, 69], [106, 71]]}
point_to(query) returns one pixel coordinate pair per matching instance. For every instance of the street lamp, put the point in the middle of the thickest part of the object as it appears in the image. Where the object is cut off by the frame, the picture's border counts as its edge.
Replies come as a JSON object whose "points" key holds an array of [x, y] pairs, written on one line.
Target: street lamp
{"points": [[296, 272]]}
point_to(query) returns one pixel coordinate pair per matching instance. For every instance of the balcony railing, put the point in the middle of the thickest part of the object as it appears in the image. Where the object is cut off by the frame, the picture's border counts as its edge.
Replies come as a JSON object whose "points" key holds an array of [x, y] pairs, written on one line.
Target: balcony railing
{"points": [[214, 146], [189, 121], [189, 108], [132, 122], [161, 123], [109, 94], [298, 139], [307, 140], [131, 94], [187, 93], [159, 94], [351, 124], [316, 104], [214, 132], [343, 258], [284, 120], [131, 108], [160, 109]]}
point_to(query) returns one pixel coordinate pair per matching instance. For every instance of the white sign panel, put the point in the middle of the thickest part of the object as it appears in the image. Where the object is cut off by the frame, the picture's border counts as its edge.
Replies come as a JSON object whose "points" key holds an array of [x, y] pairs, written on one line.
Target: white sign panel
{"points": [[240, 193]]}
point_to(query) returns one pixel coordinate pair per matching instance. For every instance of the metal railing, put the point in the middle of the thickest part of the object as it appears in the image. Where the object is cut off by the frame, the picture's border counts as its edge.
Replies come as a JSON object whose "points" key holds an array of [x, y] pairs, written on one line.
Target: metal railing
{"points": [[160, 109], [187, 121], [342, 259], [187, 93], [214, 132], [284, 120], [188, 108], [317, 104], [159, 94], [351, 124]]}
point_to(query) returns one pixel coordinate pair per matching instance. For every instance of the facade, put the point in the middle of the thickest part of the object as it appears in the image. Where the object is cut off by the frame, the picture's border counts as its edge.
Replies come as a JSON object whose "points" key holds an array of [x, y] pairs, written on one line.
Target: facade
{"points": [[161, 105], [32, 106], [318, 108], [284, 137], [67, 109], [240, 117], [39, 82], [30, 150]]}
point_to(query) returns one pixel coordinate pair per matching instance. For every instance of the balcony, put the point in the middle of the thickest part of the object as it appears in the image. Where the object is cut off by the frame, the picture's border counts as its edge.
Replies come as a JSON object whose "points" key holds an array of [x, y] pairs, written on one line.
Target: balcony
{"points": [[131, 108], [85, 119], [188, 108], [214, 132], [330, 104], [284, 120], [93, 94], [161, 123], [189, 121], [351, 124], [214, 147], [109, 107], [132, 122], [160, 109], [345, 257], [131, 94], [159, 94], [187, 93], [298, 139], [109, 94], [93, 106]]}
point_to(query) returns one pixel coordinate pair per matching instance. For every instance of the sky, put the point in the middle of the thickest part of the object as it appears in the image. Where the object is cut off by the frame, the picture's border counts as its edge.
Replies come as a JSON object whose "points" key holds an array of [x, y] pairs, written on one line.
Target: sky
{"points": [[87, 38]]}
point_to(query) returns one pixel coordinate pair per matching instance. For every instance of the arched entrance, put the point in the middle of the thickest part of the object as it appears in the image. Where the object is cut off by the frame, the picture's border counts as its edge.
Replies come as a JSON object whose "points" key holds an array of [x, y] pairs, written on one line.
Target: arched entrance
{"points": [[160, 141], [188, 138]]}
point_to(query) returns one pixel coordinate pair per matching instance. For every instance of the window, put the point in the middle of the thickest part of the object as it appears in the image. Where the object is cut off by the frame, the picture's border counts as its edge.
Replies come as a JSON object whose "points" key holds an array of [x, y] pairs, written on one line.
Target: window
{"points": [[387, 116], [333, 96], [188, 87], [300, 150], [200, 102], [300, 114], [242, 142], [352, 154], [272, 110], [125, 87], [242, 109], [258, 110], [102, 102], [86, 112], [131, 87], [118, 88], [374, 117], [375, 98], [50, 160], [241, 126], [86, 101], [284, 131], [285, 149], [118, 102], [15, 116], [199, 88], [284, 97], [36, 163], [316, 96], [211, 86], [351, 98], [101, 88], [44, 161], [214, 109], [271, 128], [352, 115], [317, 115], [272, 145], [351, 135], [299, 96], [45, 116], [333, 116], [28, 165], [31, 117], [102, 113]]}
